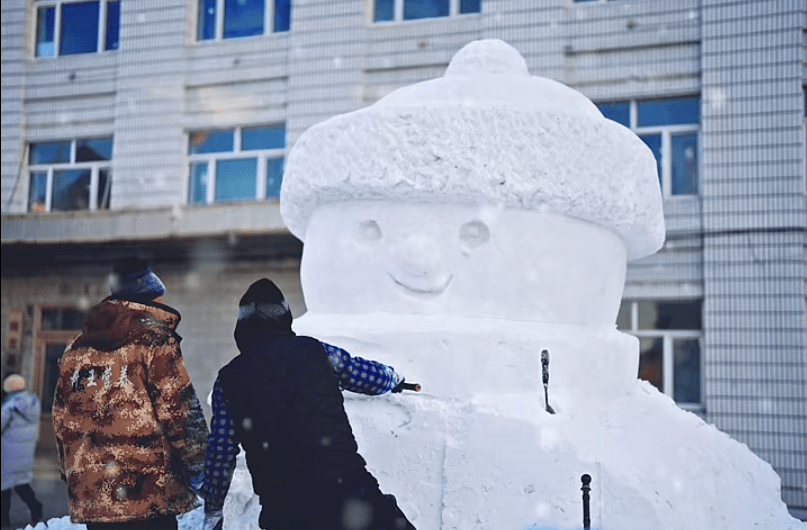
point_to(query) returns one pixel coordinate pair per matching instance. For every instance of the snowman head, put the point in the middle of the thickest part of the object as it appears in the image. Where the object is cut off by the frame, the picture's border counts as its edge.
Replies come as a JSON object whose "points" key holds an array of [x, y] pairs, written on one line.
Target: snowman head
{"points": [[457, 259], [479, 192]]}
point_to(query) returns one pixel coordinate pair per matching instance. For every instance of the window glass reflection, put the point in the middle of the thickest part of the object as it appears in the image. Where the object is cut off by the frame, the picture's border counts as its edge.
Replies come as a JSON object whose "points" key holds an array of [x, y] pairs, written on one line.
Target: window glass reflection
{"points": [[236, 179], [415, 9], [37, 193], [274, 177], [263, 138], [71, 190], [104, 189], [45, 23], [687, 370], [49, 153], [618, 112], [685, 164], [669, 112], [79, 28], [282, 15], [207, 20], [470, 6], [384, 10], [243, 18], [112, 25], [651, 361], [211, 142], [94, 149], [199, 180], [683, 314]]}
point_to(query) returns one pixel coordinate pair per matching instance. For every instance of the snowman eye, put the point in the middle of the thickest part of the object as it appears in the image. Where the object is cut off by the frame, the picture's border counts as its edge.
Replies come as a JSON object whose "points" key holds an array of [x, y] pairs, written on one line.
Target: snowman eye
{"points": [[474, 233], [367, 231]]}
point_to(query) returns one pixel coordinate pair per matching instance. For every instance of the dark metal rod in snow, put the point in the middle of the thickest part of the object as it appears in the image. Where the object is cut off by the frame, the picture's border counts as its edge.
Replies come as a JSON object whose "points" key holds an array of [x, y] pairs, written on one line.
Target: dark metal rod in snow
{"points": [[414, 387], [545, 370], [586, 479]]}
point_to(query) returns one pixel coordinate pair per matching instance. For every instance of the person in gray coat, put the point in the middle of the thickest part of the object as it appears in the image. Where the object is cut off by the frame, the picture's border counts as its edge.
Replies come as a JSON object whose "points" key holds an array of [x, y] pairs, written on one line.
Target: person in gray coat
{"points": [[20, 428]]}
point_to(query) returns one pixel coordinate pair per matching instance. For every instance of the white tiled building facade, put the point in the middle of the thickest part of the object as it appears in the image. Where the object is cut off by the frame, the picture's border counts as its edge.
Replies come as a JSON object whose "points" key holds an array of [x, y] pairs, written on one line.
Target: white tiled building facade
{"points": [[159, 128]]}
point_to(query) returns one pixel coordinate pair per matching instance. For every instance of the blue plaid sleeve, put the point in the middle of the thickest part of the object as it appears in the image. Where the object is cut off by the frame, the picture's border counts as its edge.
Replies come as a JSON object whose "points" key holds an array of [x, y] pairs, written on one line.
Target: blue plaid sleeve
{"points": [[361, 375], [222, 448]]}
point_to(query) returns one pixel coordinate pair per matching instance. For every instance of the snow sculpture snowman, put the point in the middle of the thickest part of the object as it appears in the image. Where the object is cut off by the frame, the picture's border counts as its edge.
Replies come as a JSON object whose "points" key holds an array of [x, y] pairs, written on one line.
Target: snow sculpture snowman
{"points": [[454, 230]]}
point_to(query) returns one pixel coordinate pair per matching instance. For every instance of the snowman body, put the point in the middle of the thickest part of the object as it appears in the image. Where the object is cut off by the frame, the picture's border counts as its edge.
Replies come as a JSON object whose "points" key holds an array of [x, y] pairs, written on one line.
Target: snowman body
{"points": [[457, 229]]}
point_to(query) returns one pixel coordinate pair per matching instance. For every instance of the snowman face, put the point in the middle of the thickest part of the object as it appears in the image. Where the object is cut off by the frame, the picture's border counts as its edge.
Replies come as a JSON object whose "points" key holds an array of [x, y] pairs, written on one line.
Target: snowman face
{"points": [[419, 256], [455, 259]]}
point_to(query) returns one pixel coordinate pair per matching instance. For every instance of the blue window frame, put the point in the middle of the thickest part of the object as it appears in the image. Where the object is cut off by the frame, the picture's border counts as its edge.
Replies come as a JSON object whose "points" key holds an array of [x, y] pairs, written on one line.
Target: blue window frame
{"points": [[669, 127], [229, 19], [244, 163], [75, 27]]}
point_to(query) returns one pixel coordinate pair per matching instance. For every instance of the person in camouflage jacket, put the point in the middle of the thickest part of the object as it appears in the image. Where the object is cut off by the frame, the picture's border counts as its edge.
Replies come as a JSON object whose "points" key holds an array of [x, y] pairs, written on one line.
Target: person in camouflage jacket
{"points": [[130, 431]]}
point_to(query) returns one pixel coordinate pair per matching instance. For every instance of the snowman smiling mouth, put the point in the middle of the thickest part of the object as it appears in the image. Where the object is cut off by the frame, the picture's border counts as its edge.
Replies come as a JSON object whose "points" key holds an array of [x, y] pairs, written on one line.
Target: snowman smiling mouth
{"points": [[432, 289]]}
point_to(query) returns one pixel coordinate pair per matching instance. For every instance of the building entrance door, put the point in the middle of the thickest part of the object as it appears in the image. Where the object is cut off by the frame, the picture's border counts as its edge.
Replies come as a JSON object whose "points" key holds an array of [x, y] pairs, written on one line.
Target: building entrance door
{"points": [[54, 328]]}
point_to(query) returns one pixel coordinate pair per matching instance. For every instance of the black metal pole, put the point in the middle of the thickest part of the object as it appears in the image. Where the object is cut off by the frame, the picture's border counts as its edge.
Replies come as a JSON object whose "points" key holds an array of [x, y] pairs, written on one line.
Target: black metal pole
{"points": [[545, 378], [586, 479]]}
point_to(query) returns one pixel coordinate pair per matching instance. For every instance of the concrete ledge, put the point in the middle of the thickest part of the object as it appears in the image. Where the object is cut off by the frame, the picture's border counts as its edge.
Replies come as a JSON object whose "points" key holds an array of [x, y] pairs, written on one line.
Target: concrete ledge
{"points": [[178, 221]]}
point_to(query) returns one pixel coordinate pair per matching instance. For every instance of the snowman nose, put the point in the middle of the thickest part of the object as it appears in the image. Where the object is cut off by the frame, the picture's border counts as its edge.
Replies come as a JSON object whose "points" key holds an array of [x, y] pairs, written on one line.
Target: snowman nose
{"points": [[418, 255]]}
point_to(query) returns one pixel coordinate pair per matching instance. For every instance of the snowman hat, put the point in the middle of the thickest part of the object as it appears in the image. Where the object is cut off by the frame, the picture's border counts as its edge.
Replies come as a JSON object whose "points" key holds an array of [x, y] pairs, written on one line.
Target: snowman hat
{"points": [[485, 133]]}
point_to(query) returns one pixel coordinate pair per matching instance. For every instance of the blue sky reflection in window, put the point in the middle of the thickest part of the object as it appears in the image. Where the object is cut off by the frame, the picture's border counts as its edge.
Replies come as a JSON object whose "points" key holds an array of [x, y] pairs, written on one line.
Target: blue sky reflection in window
{"points": [[79, 28]]}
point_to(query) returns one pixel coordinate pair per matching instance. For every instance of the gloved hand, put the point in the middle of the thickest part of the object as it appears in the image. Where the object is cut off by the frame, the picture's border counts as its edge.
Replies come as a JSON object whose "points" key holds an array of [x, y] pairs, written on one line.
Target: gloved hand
{"points": [[403, 385], [213, 521], [398, 386]]}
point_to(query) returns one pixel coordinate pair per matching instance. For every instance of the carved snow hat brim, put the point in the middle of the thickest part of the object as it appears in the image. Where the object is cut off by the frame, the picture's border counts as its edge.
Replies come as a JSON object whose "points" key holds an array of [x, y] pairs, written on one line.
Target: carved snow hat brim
{"points": [[485, 133]]}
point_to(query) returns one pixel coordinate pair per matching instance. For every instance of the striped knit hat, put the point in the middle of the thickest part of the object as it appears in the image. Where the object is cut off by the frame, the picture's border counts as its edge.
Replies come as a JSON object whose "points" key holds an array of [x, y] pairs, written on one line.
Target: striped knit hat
{"points": [[133, 280], [264, 301]]}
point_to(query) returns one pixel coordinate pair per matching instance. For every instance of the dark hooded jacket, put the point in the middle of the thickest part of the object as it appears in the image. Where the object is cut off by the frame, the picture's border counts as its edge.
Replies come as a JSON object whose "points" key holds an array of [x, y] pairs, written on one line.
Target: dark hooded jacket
{"points": [[130, 432], [290, 418]]}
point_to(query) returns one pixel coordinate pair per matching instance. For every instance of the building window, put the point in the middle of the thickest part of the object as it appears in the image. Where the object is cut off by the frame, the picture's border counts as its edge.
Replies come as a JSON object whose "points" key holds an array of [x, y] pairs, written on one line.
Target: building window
{"points": [[77, 27], [239, 164], [70, 175], [229, 19], [669, 127], [669, 333], [397, 10]]}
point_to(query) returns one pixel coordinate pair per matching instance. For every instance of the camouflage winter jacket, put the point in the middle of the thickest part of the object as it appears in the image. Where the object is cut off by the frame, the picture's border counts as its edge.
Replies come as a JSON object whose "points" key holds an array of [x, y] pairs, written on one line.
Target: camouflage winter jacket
{"points": [[130, 432]]}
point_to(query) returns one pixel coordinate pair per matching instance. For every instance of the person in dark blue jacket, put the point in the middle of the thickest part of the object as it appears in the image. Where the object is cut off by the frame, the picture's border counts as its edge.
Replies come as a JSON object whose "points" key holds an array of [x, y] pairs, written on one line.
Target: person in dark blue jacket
{"points": [[281, 400]]}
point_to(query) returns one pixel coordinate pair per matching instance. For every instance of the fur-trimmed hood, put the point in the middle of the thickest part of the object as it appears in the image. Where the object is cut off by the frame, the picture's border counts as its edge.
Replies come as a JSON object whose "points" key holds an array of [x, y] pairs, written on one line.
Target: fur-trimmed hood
{"points": [[113, 323]]}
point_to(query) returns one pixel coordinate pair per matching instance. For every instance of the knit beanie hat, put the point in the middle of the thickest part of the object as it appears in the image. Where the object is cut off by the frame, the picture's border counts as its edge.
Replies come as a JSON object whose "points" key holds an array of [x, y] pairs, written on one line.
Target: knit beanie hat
{"points": [[264, 301], [133, 280], [13, 383]]}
